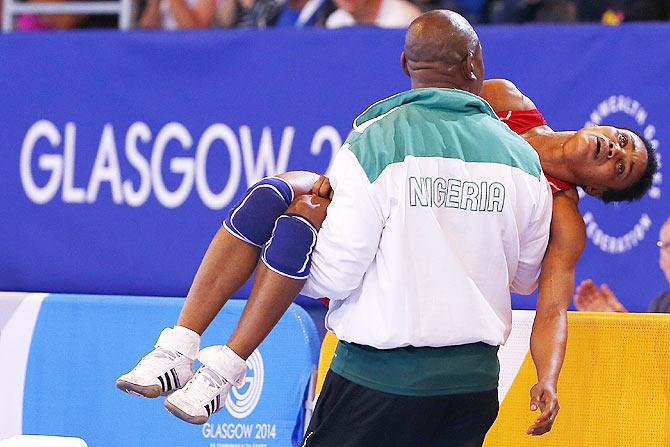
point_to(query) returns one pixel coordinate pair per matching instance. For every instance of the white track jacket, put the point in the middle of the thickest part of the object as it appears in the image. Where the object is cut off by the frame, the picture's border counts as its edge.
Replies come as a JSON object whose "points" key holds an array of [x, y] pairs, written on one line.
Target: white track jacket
{"points": [[439, 211]]}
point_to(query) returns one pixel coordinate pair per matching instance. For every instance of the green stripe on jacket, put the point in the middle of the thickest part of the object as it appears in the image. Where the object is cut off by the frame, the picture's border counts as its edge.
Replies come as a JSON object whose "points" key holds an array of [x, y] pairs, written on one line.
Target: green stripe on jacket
{"points": [[433, 122]]}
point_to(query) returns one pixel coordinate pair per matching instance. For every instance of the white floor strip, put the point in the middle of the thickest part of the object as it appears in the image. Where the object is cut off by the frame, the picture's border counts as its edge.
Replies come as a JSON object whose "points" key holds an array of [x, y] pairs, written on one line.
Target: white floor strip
{"points": [[15, 338], [511, 355]]}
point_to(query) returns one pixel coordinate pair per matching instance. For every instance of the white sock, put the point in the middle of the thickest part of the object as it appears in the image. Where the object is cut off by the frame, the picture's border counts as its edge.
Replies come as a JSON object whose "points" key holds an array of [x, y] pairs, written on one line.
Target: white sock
{"points": [[181, 339], [188, 334], [226, 362]]}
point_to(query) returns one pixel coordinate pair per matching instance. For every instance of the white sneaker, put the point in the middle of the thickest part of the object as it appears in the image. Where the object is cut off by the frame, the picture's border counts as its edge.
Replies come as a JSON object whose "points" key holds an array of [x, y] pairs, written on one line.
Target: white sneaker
{"points": [[163, 370], [206, 392]]}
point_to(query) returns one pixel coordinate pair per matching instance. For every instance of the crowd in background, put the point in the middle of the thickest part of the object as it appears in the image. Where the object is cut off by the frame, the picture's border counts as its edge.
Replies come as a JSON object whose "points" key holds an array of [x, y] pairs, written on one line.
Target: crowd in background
{"points": [[591, 298], [176, 14]]}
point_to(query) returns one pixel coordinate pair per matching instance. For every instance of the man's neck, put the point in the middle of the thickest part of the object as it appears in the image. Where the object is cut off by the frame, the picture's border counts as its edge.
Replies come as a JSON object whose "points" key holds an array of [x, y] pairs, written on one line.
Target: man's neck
{"points": [[443, 84], [430, 78]]}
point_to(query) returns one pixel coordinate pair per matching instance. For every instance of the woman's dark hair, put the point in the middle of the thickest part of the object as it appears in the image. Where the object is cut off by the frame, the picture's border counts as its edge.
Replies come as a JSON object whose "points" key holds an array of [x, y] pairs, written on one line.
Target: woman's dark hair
{"points": [[638, 189]]}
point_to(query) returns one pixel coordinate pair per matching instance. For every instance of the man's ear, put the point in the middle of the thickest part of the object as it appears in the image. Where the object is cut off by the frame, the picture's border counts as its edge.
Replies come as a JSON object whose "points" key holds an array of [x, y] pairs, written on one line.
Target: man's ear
{"points": [[595, 191], [403, 62], [468, 68]]}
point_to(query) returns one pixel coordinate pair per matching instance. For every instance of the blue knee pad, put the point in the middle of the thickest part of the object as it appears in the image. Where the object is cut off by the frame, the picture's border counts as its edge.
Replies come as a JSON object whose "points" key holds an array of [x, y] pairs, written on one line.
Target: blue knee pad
{"points": [[253, 218], [289, 250]]}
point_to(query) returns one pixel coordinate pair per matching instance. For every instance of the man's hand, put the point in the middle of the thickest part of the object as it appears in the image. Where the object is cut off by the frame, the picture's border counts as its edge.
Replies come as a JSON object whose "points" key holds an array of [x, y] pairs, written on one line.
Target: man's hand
{"points": [[322, 188], [543, 397], [591, 298]]}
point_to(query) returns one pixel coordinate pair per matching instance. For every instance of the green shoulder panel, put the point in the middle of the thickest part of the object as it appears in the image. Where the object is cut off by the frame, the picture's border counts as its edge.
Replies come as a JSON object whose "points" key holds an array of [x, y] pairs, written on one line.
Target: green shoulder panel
{"points": [[419, 131]]}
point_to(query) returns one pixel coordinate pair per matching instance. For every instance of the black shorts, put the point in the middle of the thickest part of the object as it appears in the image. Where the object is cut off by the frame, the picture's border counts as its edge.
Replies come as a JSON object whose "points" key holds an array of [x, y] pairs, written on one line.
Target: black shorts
{"points": [[351, 415]]}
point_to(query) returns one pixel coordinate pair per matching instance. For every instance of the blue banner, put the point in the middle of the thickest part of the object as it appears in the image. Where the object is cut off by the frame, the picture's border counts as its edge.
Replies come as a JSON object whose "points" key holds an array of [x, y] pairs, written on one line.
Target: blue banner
{"points": [[123, 151], [81, 344]]}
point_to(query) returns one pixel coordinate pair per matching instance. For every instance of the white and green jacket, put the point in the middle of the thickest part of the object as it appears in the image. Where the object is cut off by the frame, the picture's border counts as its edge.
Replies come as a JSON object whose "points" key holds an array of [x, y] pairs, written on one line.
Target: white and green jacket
{"points": [[439, 211]]}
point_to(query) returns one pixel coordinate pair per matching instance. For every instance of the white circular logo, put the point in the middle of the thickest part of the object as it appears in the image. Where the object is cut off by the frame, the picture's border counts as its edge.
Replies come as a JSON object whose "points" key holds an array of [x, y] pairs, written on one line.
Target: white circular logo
{"points": [[242, 401], [625, 232]]}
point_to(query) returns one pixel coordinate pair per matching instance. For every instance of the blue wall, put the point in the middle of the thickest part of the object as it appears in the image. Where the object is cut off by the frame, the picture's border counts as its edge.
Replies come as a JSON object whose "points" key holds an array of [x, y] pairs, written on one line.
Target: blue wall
{"points": [[98, 129]]}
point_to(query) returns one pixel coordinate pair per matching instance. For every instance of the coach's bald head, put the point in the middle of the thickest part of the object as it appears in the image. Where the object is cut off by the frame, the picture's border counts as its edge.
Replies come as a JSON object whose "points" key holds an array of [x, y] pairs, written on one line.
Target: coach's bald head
{"points": [[442, 50]]}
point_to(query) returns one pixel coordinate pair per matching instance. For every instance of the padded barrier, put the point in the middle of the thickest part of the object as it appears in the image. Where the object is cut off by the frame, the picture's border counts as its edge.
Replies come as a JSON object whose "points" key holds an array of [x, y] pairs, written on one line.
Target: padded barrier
{"points": [[614, 388], [82, 343]]}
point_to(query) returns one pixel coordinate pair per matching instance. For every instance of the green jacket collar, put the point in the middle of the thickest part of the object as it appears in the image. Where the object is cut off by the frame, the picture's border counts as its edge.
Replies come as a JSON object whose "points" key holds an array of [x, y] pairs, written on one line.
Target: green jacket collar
{"points": [[446, 99]]}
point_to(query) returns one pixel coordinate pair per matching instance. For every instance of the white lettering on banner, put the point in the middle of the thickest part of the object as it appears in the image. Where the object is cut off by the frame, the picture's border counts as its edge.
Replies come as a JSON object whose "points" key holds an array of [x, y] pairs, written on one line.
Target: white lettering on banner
{"points": [[178, 165], [46, 162], [597, 235], [265, 161], [106, 168], [190, 169], [239, 431], [71, 194], [225, 134], [135, 198], [620, 244]]}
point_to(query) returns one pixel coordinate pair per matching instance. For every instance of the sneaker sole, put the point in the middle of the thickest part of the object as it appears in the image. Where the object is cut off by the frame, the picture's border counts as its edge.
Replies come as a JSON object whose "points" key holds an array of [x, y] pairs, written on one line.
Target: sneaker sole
{"points": [[197, 420], [150, 391]]}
